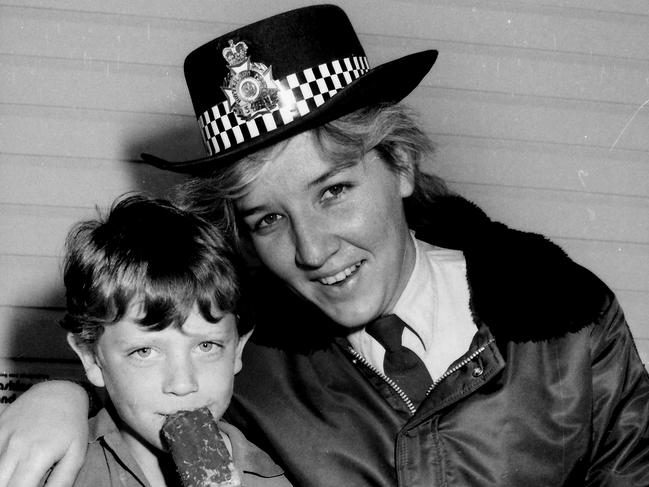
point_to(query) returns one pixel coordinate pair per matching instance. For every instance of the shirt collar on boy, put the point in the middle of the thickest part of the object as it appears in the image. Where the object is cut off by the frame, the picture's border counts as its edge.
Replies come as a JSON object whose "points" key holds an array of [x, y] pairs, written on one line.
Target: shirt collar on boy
{"points": [[247, 457], [435, 308]]}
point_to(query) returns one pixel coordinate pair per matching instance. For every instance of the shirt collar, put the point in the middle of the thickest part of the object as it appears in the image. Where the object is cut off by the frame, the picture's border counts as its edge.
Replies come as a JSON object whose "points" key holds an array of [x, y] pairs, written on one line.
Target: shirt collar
{"points": [[102, 426], [247, 457], [415, 306]]}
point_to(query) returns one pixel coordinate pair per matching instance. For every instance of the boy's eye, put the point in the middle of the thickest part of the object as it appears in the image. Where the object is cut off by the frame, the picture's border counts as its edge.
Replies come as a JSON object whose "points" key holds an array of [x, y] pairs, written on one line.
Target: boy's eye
{"points": [[207, 347]]}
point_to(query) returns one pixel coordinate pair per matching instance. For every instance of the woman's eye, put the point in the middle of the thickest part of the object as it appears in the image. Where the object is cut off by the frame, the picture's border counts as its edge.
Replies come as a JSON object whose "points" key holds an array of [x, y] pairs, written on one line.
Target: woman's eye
{"points": [[267, 221], [335, 191], [144, 352]]}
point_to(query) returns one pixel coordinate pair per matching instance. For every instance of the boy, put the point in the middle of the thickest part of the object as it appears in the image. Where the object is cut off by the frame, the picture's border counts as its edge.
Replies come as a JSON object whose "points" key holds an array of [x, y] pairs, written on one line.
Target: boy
{"points": [[155, 313]]}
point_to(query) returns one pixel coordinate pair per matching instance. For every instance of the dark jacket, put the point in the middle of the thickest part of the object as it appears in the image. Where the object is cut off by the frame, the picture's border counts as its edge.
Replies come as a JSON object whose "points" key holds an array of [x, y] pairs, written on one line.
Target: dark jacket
{"points": [[551, 392]]}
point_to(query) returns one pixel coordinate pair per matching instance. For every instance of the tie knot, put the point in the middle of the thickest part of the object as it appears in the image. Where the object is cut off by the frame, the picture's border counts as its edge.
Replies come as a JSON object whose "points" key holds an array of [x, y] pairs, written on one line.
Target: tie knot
{"points": [[387, 330]]}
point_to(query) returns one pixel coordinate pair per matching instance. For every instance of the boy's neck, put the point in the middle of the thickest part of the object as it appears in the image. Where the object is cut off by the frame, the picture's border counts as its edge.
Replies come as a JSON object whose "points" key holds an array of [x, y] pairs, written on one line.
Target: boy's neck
{"points": [[150, 461]]}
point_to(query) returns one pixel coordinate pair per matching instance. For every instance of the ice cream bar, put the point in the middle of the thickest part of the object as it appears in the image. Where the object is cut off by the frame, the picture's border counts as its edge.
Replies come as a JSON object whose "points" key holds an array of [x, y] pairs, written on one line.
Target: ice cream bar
{"points": [[198, 450]]}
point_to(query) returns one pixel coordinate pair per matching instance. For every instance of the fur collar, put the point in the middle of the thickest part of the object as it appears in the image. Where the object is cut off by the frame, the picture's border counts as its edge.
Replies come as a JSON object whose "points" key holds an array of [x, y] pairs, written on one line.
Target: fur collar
{"points": [[524, 287]]}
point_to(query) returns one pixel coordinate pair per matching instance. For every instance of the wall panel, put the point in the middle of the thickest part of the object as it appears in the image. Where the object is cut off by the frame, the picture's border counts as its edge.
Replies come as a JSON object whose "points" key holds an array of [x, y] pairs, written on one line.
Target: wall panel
{"points": [[540, 111]]}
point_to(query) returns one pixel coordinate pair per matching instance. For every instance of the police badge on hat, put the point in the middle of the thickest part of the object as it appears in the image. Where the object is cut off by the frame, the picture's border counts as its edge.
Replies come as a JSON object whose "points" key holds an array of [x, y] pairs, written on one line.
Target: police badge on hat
{"points": [[249, 87]]}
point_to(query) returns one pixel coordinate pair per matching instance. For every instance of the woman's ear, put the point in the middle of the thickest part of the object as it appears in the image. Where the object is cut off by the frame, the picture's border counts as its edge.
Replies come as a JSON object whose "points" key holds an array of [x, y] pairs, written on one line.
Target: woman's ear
{"points": [[242, 343], [406, 169], [89, 360]]}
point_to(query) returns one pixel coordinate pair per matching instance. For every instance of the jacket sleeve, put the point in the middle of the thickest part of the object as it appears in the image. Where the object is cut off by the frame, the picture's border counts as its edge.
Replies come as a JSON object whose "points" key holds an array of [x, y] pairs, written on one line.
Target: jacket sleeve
{"points": [[620, 442]]}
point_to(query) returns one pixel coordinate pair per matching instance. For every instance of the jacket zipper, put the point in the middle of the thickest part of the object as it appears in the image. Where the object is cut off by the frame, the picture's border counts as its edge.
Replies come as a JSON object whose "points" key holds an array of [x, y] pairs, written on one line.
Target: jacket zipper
{"points": [[459, 365], [386, 379], [399, 391]]}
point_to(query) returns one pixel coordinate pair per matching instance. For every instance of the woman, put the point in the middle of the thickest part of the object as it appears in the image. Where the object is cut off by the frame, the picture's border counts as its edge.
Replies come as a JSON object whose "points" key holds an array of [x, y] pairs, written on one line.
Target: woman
{"points": [[402, 337]]}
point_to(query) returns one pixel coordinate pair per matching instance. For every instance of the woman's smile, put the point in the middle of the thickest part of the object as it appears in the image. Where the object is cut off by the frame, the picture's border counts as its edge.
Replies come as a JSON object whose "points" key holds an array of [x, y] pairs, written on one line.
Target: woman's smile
{"points": [[341, 276]]}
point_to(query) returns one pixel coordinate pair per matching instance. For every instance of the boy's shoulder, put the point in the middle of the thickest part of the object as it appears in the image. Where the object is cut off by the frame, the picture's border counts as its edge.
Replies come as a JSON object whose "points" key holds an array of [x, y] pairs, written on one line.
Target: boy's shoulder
{"points": [[257, 467], [108, 461]]}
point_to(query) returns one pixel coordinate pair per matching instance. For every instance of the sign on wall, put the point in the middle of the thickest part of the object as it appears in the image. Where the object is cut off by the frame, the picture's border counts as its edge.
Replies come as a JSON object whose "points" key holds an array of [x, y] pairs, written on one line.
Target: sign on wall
{"points": [[16, 376]]}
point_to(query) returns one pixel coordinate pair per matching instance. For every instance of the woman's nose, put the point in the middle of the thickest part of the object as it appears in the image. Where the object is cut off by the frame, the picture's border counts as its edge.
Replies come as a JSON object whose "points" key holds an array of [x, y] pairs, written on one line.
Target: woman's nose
{"points": [[180, 378], [314, 242]]}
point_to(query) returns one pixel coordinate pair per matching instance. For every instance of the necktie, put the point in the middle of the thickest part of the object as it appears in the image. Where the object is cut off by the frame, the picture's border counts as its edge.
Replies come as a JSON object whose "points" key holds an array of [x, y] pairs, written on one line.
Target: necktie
{"points": [[400, 363]]}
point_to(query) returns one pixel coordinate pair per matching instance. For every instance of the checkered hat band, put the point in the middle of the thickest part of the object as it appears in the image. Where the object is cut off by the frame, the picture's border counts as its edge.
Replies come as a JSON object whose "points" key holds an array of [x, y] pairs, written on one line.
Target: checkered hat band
{"points": [[300, 94]]}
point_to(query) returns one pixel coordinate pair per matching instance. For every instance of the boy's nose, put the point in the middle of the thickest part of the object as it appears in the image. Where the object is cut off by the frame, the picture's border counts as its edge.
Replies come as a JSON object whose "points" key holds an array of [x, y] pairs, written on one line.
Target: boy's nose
{"points": [[180, 379]]}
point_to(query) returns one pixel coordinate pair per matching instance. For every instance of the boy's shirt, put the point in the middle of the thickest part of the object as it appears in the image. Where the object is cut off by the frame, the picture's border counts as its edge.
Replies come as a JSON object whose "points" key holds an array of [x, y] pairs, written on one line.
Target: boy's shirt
{"points": [[109, 462]]}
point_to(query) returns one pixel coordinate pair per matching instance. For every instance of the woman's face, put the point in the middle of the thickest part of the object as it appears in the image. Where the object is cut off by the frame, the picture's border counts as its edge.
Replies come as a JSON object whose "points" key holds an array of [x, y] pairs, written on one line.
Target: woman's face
{"points": [[336, 235]]}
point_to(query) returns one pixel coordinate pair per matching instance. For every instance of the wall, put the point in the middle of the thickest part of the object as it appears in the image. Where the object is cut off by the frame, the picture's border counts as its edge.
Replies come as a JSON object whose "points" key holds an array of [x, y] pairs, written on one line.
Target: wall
{"points": [[540, 110]]}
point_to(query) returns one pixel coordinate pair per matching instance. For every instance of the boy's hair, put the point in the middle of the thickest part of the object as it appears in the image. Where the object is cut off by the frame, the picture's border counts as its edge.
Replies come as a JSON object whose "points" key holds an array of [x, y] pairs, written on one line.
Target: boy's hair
{"points": [[149, 254]]}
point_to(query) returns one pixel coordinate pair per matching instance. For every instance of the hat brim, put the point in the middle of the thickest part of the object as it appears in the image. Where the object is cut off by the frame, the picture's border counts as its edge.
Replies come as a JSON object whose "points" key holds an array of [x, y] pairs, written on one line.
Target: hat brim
{"points": [[387, 83]]}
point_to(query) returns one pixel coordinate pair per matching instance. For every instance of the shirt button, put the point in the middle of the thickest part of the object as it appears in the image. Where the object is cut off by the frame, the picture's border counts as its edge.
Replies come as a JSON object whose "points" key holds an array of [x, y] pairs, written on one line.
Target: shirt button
{"points": [[477, 372]]}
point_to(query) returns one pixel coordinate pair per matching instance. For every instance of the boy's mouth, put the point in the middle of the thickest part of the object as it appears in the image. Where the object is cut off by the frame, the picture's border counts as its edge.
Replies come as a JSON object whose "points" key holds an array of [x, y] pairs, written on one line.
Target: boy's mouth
{"points": [[182, 410]]}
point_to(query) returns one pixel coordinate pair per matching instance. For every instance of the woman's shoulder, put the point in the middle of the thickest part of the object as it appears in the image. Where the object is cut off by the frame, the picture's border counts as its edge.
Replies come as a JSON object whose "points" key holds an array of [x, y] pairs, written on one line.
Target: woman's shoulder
{"points": [[523, 285]]}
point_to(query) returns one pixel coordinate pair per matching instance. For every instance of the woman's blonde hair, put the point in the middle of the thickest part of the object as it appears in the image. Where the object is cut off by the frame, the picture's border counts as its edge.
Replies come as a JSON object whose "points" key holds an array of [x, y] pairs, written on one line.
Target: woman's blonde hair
{"points": [[391, 130]]}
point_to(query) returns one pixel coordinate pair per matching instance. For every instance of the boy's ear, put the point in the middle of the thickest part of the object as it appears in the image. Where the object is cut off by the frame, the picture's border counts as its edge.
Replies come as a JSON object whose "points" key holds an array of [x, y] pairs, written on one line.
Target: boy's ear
{"points": [[89, 361], [242, 343]]}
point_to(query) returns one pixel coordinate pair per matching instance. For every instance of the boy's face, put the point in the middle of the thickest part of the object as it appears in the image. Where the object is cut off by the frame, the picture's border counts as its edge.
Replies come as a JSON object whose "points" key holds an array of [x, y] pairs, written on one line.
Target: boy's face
{"points": [[150, 374]]}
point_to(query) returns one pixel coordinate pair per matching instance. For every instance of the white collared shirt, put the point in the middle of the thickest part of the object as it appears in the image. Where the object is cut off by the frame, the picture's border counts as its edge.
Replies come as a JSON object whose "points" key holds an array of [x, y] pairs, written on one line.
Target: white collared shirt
{"points": [[435, 307]]}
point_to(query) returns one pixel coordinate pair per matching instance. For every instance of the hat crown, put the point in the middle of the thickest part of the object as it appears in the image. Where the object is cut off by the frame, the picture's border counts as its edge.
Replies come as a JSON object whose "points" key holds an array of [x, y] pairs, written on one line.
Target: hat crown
{"points": [[288, 43]]}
